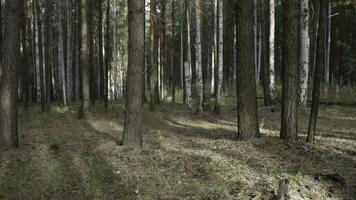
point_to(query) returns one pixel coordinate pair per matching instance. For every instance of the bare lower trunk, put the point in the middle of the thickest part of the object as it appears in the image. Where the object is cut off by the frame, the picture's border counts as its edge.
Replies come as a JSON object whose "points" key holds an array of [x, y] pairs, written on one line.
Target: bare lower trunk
{"points": [[9, 77], [289, 114], [133, 116], [246, 87]]}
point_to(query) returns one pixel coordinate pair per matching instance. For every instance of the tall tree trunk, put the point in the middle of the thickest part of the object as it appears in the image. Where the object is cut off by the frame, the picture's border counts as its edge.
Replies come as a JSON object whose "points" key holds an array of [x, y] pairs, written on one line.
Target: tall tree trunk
{"points": [[84, 56], [272, 42], [48, 66], [1, 38], [40, 54], [320, 62], [246, 87], [268, 41], [153, 56], [228, 37], [327, 41], [26, 66], [108, 54], [198, 58], [173, 49], [289, 117], [100, 52], [61, 60], [9, 78], [133, 116], [220, 73], [304, 52], [188, 63], [69, 84]]}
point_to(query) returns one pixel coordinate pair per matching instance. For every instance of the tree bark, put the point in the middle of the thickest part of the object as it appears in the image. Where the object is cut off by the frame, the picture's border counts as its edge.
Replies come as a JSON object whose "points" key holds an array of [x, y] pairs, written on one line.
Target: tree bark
{"points": [[108, 54], [133, 117], [220, 73], [9, 78], [198, 58], [188, 63], [289, 114], [320, 62], [40, 55], [246, 87], [153, 56], [84, 56], [304, 52], [48, 66], [61, 60]]}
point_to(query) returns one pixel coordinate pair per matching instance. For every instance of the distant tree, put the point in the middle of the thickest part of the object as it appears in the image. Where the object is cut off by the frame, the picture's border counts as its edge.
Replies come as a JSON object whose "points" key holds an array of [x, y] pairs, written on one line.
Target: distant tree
{"points": [[248, 126], [320, 62], [133, 115], [84, 56], [290, 60], [219, 72], [9, 78]]}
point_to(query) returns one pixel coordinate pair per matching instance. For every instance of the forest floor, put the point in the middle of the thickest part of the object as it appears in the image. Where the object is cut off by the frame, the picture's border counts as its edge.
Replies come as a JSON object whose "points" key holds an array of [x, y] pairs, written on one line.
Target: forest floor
{"points": [[184, 157]]}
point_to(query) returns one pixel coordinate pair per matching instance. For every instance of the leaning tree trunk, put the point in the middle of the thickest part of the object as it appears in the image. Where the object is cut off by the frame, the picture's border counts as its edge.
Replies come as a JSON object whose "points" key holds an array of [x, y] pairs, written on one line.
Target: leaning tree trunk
{"points": [[198, 58], [133, 116], [84, 56], [9, 77], [320, 62], [289, 115], [304, 51], [246, 87], [220, 73]]}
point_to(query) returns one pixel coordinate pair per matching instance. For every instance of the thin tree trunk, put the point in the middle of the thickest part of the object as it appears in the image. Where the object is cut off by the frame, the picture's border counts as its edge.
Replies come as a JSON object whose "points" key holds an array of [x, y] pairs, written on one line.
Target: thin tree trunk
{"points": [[188, 63], [9, 78], [133, 116], [304, 52], [25, 19], [198, 58], [220, 73], [48, 66], [69, 84], [40, 55], [153, 56], [173, 48], [246, 87], [108, 54], [320, 62], [1, 38], [272, 38], [61, 61], [84, 56], [289, 114]]}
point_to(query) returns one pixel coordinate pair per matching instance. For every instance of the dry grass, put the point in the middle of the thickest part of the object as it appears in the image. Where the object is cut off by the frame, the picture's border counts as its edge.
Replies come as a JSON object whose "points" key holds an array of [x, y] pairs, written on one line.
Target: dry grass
{"points": [[184, 157]]}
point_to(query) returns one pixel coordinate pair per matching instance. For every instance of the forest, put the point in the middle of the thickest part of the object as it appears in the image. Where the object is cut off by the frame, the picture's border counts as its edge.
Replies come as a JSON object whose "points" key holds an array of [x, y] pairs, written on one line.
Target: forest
{"points": [[178, 99]]}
